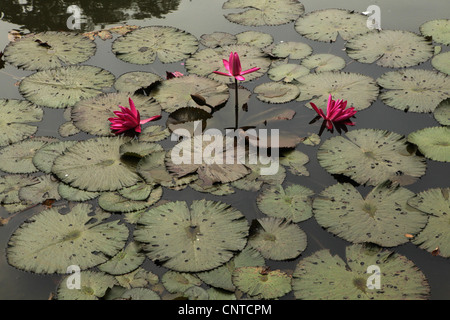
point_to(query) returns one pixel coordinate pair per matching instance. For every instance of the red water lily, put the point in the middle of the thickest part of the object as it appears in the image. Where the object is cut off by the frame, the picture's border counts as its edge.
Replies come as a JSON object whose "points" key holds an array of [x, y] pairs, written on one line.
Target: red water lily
{"points": [[128, 119], [233, 65], [336, 112], [175, 74]]}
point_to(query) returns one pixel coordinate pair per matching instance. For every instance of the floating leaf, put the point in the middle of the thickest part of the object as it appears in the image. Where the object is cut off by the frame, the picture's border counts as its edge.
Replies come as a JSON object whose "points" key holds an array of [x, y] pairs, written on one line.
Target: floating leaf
{"points": [[414, 90], [439, 29], [295, 162], [14, 118], [206, 61], [48, 50], [292, 50], [198, 238], [442, 112], [179, 282], [390, 48], [433, 142], [217, 189], [132, 81], [126, 260], [277, 239], [262, 13], [140, 294], [44, 157], [293, 203], [68, 129], [51, 241], [95, 165], [154, 133], [323, 276], [275, 92], [358, 90], [441, 62], [138, 192], [73, 194], [371, 156], [383, 217], [46, 188], [114, 202], [259, 283], [287, 72], [324, 62], [217, 39], [254, 38], [63, 87], [255, 180], [11, 184], [436, 234], [326, 25], [143, 45]]}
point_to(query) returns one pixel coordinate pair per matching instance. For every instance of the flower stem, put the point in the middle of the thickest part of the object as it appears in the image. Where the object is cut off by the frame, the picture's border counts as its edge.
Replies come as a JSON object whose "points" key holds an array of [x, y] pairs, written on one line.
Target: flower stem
{"points": [[236, 105]]}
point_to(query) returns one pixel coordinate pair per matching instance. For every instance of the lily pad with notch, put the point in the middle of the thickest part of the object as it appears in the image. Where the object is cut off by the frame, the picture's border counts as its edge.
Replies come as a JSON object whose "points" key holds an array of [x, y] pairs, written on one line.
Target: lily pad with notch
{"points": [[46, 188], [438, 29], [323, 62], [433, 142], [442, 112], [94, 286], [126, 260], [115, 202], [132, 81], [292, 50], [441, 62]]}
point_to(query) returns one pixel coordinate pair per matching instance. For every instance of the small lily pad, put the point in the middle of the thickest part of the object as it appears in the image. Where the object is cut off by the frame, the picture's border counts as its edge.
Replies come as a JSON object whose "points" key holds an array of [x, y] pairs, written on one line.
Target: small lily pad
{"points": [[275, 92], [143, 45], [439, 29], [68, 129], [179, 282], [433, 142], [192, 239], [11, 184], [442, 112], [132, 81], [126, 260], [140, 294], [295, 161], [293, 203], [277, 239], [73, 194], [292, 50], [288, 72], [46, 188], [154, 133], [441, 62], [254, 38], [44, 157], [114, 202], [93, 286], [217, 39], [324, 62], [255, 180]]}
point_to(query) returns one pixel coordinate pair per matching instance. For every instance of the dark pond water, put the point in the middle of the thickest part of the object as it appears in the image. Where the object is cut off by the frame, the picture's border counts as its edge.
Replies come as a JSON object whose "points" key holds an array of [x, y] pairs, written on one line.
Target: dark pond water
{"points": [[199, 17]]}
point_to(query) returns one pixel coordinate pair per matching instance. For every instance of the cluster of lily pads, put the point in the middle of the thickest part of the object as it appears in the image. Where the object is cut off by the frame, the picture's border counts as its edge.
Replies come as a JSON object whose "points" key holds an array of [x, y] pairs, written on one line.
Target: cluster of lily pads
{"points": [[104, 194]]}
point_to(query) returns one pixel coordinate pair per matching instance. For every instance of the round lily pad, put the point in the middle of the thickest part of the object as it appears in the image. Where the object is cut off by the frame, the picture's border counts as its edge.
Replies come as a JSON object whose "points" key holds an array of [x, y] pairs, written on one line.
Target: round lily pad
{"points": [[439, 29], [51, 241], [255, 180], [68, 129], [383, 217], [179, 282], [143, 45], [260, 283], [16, 118], [359, 90], [206, 61], [132, 81], [114, 202], [48, 50], [254, 38], [287, 72], [93, 286], [140, 294], [176, 93], [436, 234], [326, 25], [441, 62], [73, 194], [95, 165], [276, 92], [91, 115], [292, 50], [46, 188], [262, 13], [442, 112], [323, 276], [63, 87], [44, 157], [217, 39], [414, 90], [277, 239], [295, 161], [192, 239], [433, 142], [371, 156], [126, 260], [293, 203], [154, 133], [324, 62], [390, 48], [11, 184]]}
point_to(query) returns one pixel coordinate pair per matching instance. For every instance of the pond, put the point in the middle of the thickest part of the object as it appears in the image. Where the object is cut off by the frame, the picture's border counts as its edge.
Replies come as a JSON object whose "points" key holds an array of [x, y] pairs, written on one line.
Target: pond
{"points": [[367, 201]]}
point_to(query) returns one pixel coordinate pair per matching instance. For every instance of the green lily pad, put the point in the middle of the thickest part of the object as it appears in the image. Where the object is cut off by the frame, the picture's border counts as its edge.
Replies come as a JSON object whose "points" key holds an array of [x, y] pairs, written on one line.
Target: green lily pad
{"points": [[255, 180], [383, 217], [48, 50], [132, 81], [436, 234], [95, 165], [18, 157], [295, 161], [218, 294], [194, 239], [390, 48], [137, 278], [326, 25], [262, 13], [93, 286], [277, 239], [91, 115], [439, 29], [441, 62], [140, 294], [221, 277], [138, 149], [44, 157], [126, 260], [433, 142], [442, 112], [254, 38], [64, 87], [259, 283], [68, 129], [360, 91], [217, 39], [323, 276], [15, 116], [46, 188], [288, 72], [51, 241], [154, 133], [217, 189], [206, 61], [143, 45], [179, 282], [276, 92], [73, 194], [293, 203], [414, 90], [11, 184], [114, 202], [292, 50], [324, 62], [138, 192], [176, 93], [371, 156]]}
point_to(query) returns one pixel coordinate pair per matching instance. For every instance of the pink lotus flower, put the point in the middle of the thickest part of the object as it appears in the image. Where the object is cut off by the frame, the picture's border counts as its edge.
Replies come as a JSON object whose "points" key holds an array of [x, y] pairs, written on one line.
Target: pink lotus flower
{"points": [[128, 119], [170, 75], [336, 112], [233, 65]]}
